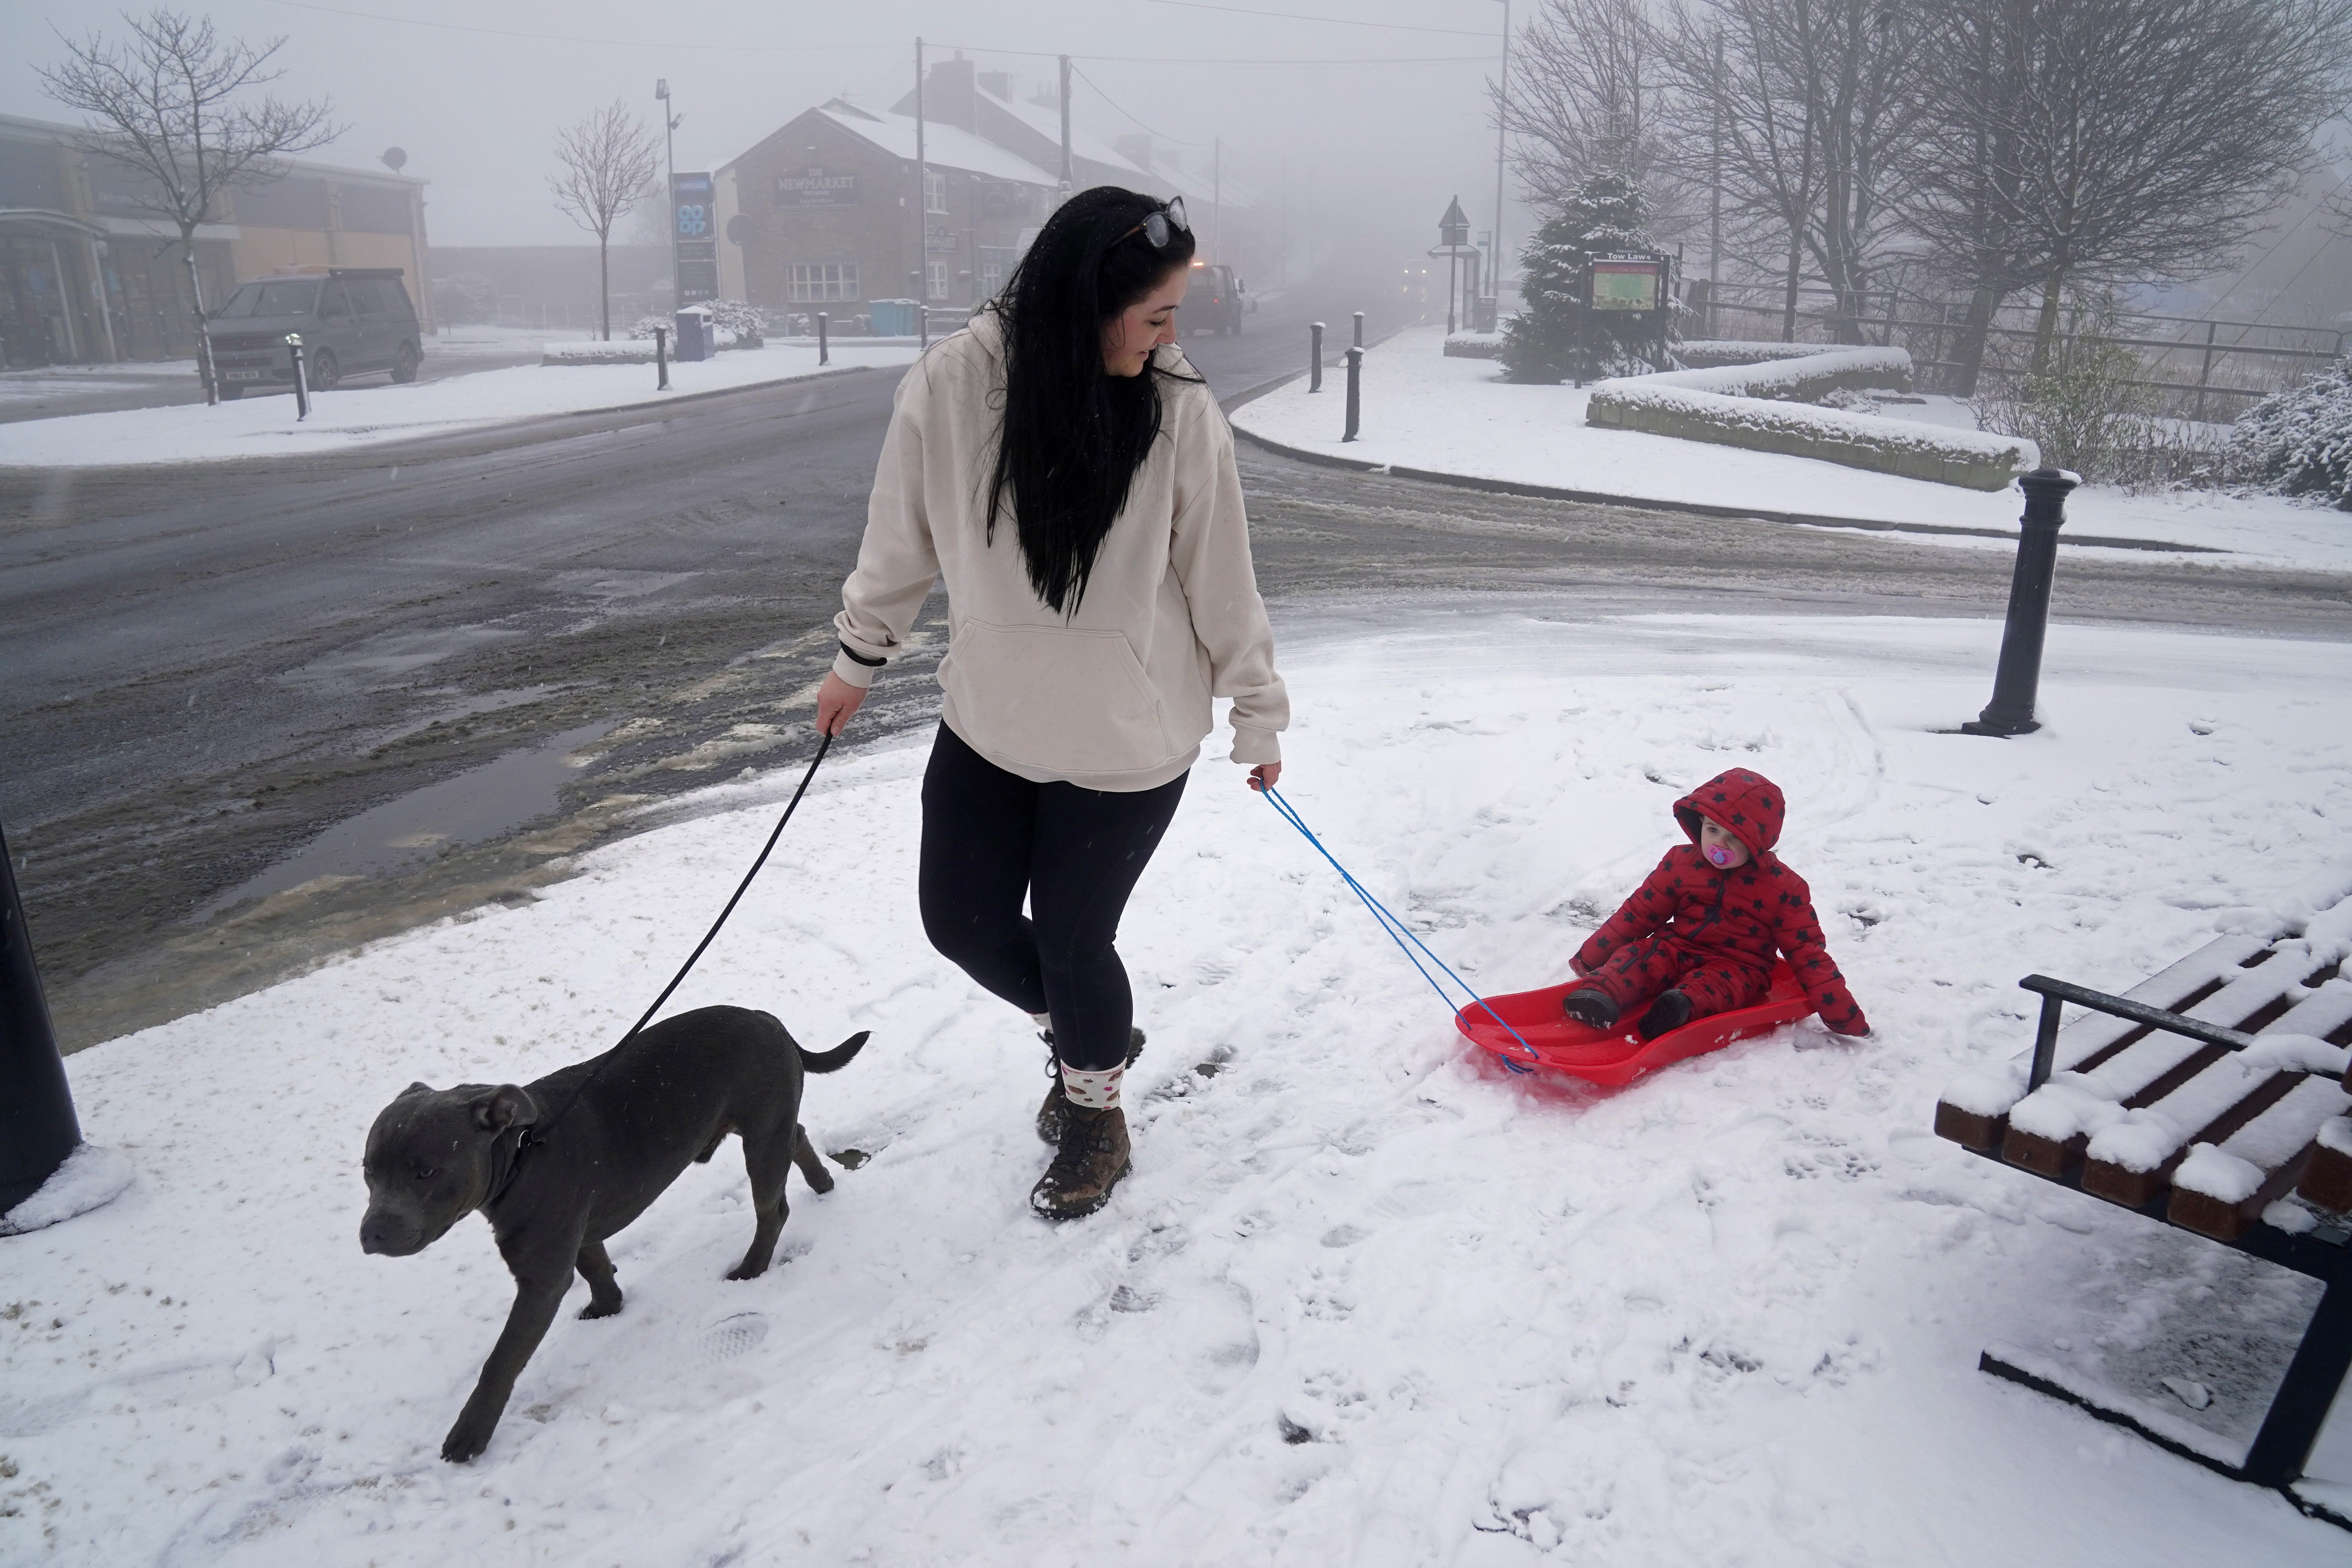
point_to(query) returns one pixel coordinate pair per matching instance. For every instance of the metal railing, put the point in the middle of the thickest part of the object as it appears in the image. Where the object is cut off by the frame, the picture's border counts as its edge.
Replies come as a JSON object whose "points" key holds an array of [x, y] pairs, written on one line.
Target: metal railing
{"points": [[2234, 359]]}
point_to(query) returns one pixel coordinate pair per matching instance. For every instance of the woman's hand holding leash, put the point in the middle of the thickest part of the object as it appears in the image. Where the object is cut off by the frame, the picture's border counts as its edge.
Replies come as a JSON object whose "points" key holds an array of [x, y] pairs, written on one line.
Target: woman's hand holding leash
{"points": [[836, 700], [1265, 776]]}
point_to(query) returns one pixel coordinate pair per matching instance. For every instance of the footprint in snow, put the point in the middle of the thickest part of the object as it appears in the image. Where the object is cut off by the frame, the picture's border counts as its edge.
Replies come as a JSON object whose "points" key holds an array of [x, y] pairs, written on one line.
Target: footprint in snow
{"points": [[729, 1338]]}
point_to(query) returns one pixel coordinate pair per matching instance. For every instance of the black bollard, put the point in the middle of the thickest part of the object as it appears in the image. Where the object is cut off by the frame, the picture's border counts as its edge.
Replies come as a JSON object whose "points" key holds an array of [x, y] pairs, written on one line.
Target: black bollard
{"points": [[2019, 676], [1359, 328], [1355, 389], [301, 383], [824, 348], [1314, 356], [661, 359], [38, 1128]]}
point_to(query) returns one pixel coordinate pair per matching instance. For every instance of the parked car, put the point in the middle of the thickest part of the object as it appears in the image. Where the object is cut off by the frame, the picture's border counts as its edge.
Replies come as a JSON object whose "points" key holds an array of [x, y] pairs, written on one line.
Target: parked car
{"points": [[354, 320], [1215, 300]]}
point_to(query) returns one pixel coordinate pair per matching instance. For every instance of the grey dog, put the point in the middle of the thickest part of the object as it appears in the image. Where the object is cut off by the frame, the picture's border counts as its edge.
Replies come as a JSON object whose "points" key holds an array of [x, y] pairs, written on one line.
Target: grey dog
{"points": [[560, 1164]]}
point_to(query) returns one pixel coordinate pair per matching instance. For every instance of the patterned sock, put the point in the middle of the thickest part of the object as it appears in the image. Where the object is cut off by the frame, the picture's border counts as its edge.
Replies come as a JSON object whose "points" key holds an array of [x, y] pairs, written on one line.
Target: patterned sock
{"points": [[1092, 1090]]}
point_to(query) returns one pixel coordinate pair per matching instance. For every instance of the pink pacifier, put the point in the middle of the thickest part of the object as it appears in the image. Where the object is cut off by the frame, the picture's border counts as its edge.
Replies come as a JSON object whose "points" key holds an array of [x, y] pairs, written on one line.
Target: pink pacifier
{"points": [[1719, 854]]}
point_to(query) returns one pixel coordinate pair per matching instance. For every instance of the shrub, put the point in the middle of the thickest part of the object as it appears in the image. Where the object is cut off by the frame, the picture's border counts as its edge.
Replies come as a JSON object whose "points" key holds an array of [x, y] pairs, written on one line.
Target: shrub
{"points": [[2087, 411], [1540, 344], [2300, 441]]}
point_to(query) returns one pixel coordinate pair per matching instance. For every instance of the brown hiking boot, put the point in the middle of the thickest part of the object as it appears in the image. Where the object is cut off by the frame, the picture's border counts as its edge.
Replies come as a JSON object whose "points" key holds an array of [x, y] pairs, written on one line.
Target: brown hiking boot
{"points": [[1093, 1157], [1049, 1115]]}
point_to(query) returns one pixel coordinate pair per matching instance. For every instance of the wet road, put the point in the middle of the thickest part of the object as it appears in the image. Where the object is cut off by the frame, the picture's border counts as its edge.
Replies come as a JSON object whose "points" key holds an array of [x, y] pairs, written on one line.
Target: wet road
{"points": [[258, 714]]}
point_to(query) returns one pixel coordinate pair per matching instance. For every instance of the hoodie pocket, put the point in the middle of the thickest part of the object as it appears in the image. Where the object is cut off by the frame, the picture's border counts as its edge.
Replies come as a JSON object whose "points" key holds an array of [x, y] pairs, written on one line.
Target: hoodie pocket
{"points": [[1058, 699]]}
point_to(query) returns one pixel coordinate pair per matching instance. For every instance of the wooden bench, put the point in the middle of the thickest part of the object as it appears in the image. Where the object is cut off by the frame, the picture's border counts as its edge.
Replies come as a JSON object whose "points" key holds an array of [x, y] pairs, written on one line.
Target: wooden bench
{"points": [[2209, 1097]]}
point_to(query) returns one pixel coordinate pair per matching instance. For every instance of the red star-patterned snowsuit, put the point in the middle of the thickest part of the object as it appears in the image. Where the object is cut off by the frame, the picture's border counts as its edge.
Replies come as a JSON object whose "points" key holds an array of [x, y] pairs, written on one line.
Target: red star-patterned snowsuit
{"points": [[1711, 934]]}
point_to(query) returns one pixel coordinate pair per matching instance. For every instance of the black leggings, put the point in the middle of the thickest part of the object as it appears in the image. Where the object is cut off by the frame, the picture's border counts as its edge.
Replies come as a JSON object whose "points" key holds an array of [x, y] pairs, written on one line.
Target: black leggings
{"points": [[989, 837]]}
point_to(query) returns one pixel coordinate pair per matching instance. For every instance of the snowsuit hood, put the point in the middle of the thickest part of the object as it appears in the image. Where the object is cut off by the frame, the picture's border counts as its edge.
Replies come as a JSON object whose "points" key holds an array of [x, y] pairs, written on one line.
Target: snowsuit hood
{"points": [[1743, 803]]}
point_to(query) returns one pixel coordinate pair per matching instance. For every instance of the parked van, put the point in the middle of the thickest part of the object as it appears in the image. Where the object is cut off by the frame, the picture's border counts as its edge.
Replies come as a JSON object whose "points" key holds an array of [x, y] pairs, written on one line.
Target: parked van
{"points": [[354, 321], [1215, 300]]}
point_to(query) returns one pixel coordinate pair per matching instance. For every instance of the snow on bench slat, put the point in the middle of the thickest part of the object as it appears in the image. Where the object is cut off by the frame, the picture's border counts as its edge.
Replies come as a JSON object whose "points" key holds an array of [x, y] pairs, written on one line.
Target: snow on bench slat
{"points": [[2236, 1170], [1994, 1089], [2092, 1102], [2146, 1138]]}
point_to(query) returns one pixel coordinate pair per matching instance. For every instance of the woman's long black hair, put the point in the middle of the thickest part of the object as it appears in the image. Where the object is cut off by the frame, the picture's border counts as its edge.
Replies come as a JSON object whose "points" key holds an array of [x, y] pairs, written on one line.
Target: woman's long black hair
{"points": [[1073, 434]]}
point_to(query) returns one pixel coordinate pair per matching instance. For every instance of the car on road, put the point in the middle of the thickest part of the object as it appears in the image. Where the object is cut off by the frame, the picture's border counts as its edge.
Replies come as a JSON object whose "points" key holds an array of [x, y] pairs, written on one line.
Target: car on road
{"points": [[354, 320], [1215, 300]]}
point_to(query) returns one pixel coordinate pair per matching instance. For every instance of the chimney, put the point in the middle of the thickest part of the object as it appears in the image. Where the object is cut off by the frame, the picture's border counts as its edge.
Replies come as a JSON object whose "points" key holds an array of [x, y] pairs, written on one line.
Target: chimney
{"points": [[998, 84]]}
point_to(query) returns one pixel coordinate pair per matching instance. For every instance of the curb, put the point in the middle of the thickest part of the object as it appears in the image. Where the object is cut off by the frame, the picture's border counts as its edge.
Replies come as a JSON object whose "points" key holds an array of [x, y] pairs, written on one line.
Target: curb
{"points": [[1691, 509], [377, 449]]}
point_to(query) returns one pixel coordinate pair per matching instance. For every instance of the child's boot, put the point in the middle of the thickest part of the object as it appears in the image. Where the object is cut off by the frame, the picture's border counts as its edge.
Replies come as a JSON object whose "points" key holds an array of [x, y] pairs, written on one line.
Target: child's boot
{"points": [[1590, 1008], [1670, 1012]]}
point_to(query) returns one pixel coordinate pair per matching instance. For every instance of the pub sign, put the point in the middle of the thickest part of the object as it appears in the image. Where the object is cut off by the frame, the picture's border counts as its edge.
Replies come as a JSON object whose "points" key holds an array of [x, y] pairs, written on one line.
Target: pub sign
{"points": [[817, 187]]}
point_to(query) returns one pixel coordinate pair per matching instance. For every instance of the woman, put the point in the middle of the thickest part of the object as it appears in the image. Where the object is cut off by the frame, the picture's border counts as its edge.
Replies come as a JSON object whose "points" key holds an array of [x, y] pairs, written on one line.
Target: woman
{"points": [[1059, 466]]}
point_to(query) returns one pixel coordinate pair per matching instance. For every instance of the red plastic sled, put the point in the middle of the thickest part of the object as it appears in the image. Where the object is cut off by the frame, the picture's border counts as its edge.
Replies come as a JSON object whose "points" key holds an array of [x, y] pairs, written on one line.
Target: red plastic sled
{"points": [[1611, 1058]]}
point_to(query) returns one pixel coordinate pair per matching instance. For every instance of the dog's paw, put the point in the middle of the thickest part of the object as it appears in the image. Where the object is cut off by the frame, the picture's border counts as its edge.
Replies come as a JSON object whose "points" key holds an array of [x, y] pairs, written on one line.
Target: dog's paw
{"points": [[465, 1442], [595, 1308], [747, 1270]]}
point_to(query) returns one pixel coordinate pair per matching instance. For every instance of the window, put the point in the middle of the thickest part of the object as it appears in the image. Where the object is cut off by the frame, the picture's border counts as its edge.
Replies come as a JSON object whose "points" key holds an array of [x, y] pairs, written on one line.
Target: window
{"points": [[935, 280], [935, 191], [996, 264], [816, 281]]}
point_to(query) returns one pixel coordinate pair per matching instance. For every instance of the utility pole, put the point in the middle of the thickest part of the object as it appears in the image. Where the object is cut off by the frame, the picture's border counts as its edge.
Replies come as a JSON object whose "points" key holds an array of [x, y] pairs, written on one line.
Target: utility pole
{"points": [[1502, 115], [1715, 191], [1217, 200], [1068, 184], [669, 191], [922, 215]]}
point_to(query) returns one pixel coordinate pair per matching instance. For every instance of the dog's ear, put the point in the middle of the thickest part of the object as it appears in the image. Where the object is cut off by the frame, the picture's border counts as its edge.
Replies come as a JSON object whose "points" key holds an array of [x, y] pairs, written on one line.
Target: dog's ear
{"points": [[504, 1106], [413, 1089]]}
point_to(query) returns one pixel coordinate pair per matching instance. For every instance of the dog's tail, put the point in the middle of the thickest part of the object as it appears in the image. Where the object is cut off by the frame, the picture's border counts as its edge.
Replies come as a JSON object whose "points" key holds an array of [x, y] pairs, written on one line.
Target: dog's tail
{"points": [[836, 1059]]}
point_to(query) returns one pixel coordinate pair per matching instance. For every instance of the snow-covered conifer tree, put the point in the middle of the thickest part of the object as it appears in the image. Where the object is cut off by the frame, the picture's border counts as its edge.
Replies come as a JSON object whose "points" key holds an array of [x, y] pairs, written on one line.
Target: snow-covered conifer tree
{"points": [[1605, 217]]}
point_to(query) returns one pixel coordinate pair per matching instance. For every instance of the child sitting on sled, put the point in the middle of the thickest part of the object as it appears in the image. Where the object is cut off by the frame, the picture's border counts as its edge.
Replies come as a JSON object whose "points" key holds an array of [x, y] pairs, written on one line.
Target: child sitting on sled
{"points": [[1698, 937]]}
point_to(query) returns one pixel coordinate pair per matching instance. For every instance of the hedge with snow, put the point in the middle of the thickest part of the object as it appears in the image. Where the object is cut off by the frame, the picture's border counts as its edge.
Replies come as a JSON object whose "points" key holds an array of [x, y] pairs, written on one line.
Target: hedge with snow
{"points": [[1764, 406]]}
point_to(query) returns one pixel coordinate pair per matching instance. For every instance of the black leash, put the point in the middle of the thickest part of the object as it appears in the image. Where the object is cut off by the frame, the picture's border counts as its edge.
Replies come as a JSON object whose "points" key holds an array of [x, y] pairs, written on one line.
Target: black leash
{"points": [[537, 1132], [741, 888]]}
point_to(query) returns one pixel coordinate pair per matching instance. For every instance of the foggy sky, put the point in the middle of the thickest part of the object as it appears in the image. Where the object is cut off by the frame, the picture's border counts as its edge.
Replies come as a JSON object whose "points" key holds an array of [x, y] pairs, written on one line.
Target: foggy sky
{"points": [[1372, 150]]}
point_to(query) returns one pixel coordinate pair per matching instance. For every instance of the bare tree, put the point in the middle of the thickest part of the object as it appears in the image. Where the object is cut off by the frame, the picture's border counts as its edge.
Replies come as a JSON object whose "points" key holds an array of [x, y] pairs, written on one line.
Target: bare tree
{"points": [[172, 103], [1965, 176], [1810, 106], [2086, 144], [1585, 86], [608, 160]]}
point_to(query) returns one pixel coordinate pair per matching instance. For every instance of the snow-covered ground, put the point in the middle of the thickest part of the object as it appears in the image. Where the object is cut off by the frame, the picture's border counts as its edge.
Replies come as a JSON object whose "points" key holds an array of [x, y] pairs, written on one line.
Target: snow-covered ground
{"points": [[70, 380], [1366, 1299], [372, 412], [1459, 416]]}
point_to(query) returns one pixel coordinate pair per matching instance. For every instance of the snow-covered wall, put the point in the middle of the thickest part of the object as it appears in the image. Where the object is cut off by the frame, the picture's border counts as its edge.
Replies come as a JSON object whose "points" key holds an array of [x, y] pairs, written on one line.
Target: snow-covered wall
{"points": [[1762, 406]]}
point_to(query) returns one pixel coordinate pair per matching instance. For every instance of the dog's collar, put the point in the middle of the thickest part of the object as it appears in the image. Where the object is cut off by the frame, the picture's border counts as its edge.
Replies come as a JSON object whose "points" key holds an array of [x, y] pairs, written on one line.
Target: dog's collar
{"points": [[510, 1156]]}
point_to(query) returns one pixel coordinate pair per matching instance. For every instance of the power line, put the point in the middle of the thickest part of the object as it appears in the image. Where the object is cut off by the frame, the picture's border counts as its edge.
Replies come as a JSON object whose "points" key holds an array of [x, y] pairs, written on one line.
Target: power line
{"points": [[1115, 104], [1336, 21], [812, 49], [566, 38]]}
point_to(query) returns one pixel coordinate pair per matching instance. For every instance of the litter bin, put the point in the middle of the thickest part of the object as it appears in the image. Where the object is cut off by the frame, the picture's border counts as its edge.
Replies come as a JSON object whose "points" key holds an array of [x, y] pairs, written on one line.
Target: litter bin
{"points": [[894, 318], [693, 335]]}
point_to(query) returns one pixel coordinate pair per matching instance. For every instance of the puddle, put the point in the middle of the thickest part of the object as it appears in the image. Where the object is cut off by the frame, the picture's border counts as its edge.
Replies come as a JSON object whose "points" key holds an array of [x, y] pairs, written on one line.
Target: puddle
{"points": [[397, 653], [478, 803]]}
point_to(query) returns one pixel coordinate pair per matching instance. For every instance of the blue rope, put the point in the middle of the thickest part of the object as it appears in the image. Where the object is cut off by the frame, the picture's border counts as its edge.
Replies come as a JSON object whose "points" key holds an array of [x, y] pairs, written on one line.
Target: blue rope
{"points": [[1399, 932]]}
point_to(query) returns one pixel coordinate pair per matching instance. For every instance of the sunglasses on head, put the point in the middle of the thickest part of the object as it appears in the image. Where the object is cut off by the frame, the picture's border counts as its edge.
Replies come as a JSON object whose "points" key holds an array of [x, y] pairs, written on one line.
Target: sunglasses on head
{"points": [[1157, 228]]}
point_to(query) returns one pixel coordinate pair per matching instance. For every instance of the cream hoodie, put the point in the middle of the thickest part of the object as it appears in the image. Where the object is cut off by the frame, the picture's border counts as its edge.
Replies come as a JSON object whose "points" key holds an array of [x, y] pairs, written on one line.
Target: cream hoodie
{"points": [[1116, 697]]}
